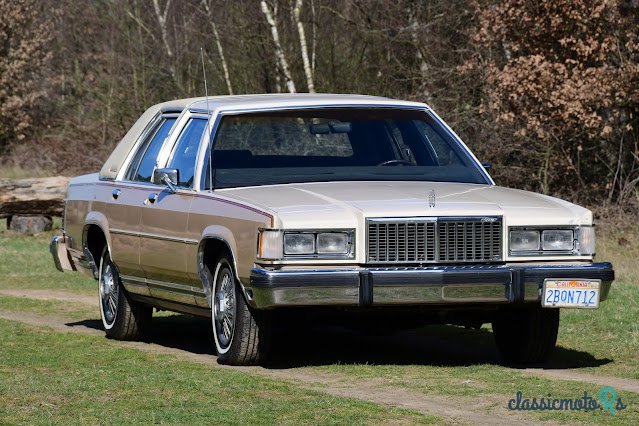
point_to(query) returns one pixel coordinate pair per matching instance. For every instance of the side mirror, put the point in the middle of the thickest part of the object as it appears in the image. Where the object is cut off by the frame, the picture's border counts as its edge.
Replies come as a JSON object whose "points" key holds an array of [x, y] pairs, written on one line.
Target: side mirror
{"points": [[168, 177], [487, 166]]}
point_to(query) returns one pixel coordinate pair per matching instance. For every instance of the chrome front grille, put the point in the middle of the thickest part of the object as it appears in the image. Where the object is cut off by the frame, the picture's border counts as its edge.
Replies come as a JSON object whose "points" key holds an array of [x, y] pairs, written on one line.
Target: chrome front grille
{"points": [[434, 240], [398, 242]]}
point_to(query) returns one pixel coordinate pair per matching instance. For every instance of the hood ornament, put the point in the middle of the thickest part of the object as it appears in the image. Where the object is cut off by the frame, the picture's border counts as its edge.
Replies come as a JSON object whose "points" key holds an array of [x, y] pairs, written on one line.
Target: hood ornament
{"points": [[431, 199]]}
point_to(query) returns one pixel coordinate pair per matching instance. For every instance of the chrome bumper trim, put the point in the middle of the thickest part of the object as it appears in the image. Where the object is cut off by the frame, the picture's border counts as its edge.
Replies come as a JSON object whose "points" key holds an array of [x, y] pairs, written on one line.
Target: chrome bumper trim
{"points": [[441, 285], [60, 253]]}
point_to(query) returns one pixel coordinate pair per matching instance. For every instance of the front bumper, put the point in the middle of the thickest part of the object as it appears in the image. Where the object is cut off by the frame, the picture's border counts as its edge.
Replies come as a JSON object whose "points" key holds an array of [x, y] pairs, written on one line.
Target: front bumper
{"points": [[437, 285]]}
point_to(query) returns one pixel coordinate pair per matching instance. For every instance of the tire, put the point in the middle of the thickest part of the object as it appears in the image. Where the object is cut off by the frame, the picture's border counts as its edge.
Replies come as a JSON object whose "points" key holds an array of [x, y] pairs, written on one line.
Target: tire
{"points": [[242, 335], [526, 336], [122, 318]]}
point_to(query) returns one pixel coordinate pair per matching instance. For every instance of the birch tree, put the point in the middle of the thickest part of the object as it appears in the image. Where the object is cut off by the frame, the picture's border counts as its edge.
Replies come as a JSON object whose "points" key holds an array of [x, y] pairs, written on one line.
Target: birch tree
{"points": [[314, 36], [218, 44], [161, 16], [308, 71], [279, 53]]}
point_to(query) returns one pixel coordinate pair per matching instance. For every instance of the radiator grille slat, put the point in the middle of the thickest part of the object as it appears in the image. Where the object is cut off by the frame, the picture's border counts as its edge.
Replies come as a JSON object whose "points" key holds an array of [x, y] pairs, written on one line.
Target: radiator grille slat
{"points": [[436, 240]]}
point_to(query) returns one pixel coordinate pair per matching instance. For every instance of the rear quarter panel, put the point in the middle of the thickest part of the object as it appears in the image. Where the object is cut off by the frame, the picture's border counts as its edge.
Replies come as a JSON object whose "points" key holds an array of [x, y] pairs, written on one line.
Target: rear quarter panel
{"points": [[79, 202]]}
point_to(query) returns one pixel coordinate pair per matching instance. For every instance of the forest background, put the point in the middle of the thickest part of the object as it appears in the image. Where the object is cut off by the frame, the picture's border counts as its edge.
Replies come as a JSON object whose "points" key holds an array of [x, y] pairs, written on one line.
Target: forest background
{"points": [[546, 90]]}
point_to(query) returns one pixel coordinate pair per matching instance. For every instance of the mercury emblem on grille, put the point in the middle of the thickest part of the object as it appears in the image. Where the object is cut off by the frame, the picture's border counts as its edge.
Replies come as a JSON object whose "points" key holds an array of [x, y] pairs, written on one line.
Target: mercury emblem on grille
{"points": [[431, 199]]}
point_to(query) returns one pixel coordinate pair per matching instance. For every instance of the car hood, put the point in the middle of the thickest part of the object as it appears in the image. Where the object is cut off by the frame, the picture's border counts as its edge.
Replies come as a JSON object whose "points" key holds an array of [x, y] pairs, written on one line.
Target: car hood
{"points": [[348, 204]]}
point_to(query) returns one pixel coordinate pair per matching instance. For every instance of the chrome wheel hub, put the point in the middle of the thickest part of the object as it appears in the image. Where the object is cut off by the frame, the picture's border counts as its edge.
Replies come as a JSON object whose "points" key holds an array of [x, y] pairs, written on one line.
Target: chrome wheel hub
{"points": [[224, 310], [108, 294]]}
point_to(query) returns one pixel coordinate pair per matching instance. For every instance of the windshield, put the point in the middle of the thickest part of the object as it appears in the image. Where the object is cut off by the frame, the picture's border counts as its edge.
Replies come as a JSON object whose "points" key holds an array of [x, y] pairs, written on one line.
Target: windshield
{"points": [[338, 144]]}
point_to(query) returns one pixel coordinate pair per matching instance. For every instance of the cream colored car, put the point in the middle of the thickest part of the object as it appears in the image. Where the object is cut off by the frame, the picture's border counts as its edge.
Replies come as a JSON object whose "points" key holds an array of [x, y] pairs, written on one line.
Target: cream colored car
{"points": [[361, 208]]}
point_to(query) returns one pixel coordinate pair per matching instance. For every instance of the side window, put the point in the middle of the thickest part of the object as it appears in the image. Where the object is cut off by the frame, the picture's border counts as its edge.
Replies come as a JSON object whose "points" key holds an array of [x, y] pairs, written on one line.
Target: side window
{"points": [[185, 151], [143, 163]]}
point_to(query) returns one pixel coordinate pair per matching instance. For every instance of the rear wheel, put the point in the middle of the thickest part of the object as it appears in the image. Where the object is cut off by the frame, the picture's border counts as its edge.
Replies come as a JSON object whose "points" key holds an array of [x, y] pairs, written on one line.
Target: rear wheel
{"points": [[122, 318], [526, 336], [242, 335]]}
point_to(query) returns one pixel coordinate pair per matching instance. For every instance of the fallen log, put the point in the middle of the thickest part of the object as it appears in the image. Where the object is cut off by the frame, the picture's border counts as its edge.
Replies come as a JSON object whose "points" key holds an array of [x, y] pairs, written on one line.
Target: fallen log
{"points": [[37, 196]]}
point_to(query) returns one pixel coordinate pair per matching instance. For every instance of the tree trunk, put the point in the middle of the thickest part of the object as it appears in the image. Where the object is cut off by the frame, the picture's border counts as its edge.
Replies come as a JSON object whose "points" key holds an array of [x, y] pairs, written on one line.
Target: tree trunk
{"points": [[218, 43], [308, 71], [279, 53], [161, 16], [39, 196]]}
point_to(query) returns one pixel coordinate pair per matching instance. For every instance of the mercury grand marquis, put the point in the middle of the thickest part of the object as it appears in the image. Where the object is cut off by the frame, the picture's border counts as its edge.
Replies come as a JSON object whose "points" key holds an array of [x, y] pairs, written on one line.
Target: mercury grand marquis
{"points": [[241, 208]]}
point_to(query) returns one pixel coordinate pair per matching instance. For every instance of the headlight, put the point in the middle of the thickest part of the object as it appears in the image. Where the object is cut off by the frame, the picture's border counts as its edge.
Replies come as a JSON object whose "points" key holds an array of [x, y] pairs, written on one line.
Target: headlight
{"points": [[560, 240], [332, 243], [277, 244], [587, 240], [557, 239], [524, 240], [299, 243]]}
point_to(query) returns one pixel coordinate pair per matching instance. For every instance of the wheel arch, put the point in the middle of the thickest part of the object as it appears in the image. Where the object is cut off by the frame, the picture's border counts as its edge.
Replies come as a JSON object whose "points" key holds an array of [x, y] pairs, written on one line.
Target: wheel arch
{"points": [[95, 237], [211, 247]]}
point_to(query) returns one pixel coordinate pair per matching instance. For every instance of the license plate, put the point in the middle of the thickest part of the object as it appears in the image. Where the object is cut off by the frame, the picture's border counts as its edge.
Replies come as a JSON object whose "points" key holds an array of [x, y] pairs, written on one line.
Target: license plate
{"points": [[566, 293]]}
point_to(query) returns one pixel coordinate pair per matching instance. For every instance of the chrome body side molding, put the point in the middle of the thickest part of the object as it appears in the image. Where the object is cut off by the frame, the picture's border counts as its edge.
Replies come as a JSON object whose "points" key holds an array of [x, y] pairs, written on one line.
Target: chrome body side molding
{"points": [[181, 293], [154, 236]]}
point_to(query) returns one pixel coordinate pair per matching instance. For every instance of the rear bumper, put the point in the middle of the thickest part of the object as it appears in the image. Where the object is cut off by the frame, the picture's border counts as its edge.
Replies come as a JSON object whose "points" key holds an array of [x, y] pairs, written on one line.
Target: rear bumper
{"points": [[444, 285], [61, 256]]}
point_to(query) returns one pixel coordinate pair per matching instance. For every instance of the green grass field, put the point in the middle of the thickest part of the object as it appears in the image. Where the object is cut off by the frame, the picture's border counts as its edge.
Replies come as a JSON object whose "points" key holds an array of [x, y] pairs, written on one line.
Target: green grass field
{"points": [[51, 376]]}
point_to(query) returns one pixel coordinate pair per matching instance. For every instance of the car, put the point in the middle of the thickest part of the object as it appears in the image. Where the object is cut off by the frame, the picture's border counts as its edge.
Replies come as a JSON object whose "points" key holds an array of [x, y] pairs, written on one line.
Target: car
{"points": [[311, 209]]}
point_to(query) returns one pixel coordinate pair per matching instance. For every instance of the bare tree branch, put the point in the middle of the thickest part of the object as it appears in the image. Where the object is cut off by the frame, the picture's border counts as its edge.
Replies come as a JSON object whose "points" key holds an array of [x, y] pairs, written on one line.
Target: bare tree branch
{"points": [[141, 25]]}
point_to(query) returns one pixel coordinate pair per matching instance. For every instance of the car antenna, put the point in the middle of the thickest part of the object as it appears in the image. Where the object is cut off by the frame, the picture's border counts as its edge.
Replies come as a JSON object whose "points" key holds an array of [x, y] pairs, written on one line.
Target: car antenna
{"points": [[208, 120]]}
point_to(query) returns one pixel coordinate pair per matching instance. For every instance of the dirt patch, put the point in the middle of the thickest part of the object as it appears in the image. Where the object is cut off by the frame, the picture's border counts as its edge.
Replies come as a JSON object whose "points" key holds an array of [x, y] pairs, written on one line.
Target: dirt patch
{"points": [[629, 385], [619, 383], [456, 410], [60, 295], [55, 323]]}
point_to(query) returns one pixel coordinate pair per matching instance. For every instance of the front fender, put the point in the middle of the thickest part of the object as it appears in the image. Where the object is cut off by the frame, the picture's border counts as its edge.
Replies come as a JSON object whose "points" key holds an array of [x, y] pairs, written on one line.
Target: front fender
{"points": [[225, 236]]}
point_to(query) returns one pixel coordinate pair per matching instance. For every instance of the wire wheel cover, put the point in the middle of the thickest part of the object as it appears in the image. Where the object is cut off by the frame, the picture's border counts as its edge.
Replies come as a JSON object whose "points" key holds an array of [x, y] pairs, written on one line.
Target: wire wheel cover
{"points": [[109, 294], [224, 306]]}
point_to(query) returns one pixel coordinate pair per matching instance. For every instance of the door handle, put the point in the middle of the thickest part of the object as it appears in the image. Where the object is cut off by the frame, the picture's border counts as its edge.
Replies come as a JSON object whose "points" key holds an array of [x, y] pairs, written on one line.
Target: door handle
{"points": [[152, 198], [115, 193]]}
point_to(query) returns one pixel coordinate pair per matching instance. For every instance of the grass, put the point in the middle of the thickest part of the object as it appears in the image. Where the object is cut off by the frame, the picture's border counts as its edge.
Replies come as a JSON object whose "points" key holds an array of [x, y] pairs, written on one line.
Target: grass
{"points": [[71, 310], [27, 264], [621, 247], [48, 377], [491, 383], [609, 334], [72, 379], [45, 377]]}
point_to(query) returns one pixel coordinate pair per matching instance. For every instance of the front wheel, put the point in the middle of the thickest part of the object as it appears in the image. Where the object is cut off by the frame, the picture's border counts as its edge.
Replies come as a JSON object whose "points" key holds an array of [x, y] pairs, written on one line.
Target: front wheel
{"points": [[122, 318], [527, 335], [242, 335]]}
